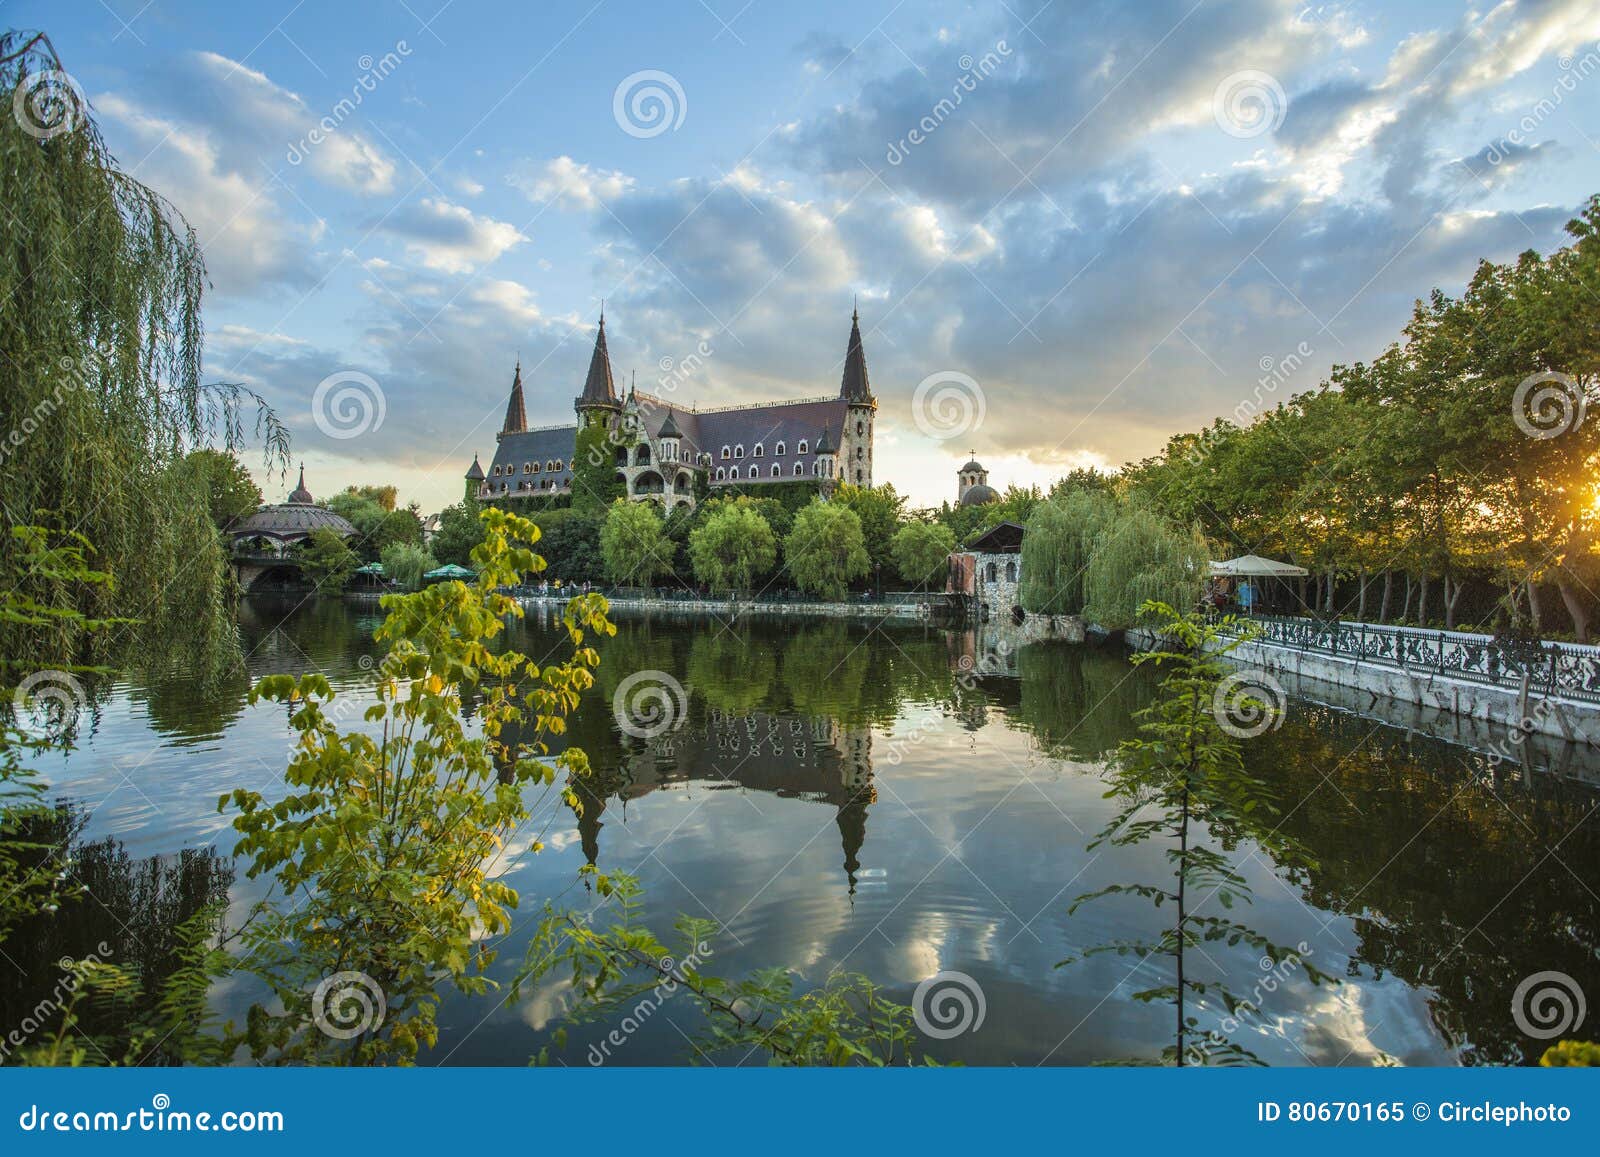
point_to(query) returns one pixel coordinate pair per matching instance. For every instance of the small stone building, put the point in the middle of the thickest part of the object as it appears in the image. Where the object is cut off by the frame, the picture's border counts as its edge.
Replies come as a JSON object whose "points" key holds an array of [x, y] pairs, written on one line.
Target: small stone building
{"points": [[990, 571]]}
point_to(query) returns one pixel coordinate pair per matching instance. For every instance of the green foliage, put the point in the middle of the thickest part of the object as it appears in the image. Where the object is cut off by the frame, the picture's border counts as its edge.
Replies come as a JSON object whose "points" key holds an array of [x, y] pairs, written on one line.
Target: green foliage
{"points": [[1139, 557], [100, 376], [732, 546], [326, 561], [921, 551], [1058, 546], [595, 481], [382, 851], [459, 531], [1182, 780], [1571, 1054], [881, 510], [377, 525], [826, 551], [634, 544], [622, 967], [234, 495], [571, 540], [406, 563]]}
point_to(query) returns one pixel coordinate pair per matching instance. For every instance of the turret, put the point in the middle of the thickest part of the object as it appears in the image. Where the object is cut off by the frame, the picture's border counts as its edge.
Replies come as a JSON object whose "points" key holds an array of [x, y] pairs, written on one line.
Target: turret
{"points": [[598, 402], [516, 413], [474, 481], [827, 463], [855, 388]]}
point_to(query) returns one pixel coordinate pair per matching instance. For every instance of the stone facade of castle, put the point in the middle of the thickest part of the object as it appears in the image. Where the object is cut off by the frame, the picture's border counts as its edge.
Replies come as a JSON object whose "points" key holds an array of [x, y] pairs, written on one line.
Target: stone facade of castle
{"points": [[660, 450]]}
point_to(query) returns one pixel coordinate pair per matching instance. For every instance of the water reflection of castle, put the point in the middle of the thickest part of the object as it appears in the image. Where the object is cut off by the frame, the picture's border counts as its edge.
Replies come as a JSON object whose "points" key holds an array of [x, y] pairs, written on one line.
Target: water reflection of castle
{"points": [[816, 759]]}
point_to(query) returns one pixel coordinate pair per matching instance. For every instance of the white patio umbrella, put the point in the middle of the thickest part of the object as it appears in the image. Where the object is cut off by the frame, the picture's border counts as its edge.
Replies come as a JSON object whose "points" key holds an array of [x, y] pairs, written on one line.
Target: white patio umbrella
{"points": [[1254, 566]]}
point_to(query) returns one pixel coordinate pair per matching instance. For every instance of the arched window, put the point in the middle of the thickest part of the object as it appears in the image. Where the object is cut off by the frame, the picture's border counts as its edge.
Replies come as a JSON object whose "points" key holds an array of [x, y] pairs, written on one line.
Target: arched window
{"points": [[858, 478], [758, 451], [861, 452], [776, 470], [642, 457], [799, 470], [1011, 572], [780, 451], [558, 464], [989, 573], [802, 448], [496, 472], [725, 453], [721, 474], [733, 473], [738, 451], [860, 429], [533, 468]]}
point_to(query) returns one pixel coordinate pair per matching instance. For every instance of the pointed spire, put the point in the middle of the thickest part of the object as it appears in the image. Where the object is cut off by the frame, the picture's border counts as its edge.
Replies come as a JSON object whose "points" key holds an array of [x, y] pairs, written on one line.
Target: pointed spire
{"points": [[300, 495], [475, 471], [825, 443], [598, 389], [854, 387], [516, 413]]}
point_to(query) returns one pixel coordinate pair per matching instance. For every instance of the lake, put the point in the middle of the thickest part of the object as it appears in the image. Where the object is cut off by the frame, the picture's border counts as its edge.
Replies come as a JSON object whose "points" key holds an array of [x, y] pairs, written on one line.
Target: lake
{"points": [[902, 800]]}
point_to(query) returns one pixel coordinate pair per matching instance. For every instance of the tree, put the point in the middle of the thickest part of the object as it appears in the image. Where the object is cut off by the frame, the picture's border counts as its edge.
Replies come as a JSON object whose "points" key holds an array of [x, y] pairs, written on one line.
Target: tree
{"points": [[326, 561], [732, 546], [383, 848], [406, 563], [377, 525], [233, 494], [100, 344], [921, 551], [572, 544], [881, 511], [634, 544], [459, 531], [1058, 546], [596, 483], [826, 549], [1183, 780], [1140, 558]]}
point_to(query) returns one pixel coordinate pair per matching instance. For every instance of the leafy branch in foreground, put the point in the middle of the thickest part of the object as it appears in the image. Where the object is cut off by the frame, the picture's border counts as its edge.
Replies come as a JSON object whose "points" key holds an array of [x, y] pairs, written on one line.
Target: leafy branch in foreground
{"points": [[383, 848], [622, 968], [1183, 780]]}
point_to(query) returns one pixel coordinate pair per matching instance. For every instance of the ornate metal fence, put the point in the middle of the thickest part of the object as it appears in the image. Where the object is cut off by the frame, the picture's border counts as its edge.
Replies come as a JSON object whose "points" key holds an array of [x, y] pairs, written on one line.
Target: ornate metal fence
{"points": [[1564, 669]]}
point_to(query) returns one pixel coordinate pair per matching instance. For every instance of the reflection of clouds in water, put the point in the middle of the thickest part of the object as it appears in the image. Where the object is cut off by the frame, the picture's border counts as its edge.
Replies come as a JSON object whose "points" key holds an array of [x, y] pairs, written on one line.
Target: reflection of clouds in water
{"points": [[545, 1004], [1356, 1024]]}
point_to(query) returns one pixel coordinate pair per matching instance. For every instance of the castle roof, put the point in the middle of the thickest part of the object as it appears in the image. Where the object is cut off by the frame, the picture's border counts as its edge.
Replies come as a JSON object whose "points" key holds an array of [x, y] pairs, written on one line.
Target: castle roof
{"points": [[980, 495], [542, 444], [973, 465], [854, 387], [475, 471], [291, 521], [825, 443], [669, 428], [597, 387], [516, 414], [300, 495]]}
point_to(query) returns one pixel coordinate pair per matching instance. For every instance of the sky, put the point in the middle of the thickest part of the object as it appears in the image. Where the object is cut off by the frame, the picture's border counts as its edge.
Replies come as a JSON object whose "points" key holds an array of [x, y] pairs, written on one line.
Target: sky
{"points": [[1072, 228]]}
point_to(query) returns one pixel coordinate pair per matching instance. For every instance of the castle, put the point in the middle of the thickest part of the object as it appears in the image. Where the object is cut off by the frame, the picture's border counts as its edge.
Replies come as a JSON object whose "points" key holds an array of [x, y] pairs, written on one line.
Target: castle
{"points": [[661, 451]]}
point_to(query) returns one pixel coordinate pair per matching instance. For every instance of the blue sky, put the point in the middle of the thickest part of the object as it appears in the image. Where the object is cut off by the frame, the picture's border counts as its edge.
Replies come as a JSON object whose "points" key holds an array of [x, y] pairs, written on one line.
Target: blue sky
{"points": [[1094, 248]]}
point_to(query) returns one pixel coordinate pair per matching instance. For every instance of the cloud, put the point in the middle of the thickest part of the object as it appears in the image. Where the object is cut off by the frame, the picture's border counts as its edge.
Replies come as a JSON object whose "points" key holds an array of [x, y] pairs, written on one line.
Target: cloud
{"points": [[568, 184], [450, 238]]}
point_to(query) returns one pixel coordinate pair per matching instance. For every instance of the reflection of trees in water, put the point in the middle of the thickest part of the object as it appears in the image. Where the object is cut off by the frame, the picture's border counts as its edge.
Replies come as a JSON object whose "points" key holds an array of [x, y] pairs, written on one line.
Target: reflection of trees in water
{"points": [[1079, 702], [729, 670], [1454, 884], [127, 913]]}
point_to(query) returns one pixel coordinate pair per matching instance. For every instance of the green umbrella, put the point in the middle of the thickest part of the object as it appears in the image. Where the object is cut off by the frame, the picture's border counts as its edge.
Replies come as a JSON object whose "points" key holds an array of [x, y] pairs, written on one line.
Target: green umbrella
{"points": [[450, 571]]}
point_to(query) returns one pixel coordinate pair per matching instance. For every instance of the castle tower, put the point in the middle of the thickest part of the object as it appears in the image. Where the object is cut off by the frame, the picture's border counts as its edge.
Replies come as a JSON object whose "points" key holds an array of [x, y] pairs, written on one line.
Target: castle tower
{"points": [[972, 484], [598, 402], [474, 481], [855, 440], [516, 413], [827, 465]]}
